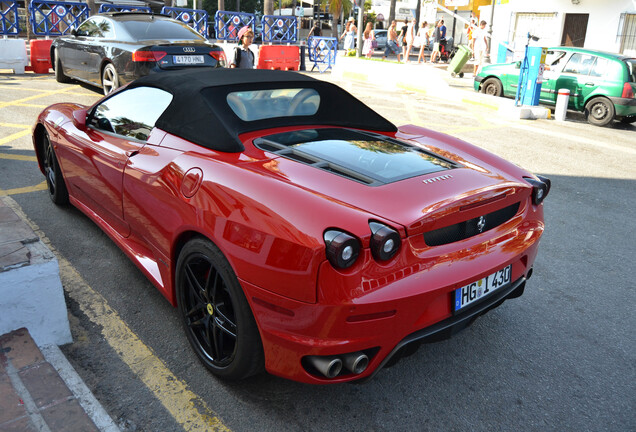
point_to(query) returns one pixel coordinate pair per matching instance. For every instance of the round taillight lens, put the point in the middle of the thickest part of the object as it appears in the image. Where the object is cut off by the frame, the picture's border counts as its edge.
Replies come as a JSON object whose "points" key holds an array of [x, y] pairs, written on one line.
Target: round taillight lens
{"points": [[342, 248], [385, 241]]}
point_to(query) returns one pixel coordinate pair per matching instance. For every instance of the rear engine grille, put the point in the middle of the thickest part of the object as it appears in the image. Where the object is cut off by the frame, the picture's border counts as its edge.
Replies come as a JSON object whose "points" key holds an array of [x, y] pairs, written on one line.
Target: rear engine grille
{"points": [[471, 227]]}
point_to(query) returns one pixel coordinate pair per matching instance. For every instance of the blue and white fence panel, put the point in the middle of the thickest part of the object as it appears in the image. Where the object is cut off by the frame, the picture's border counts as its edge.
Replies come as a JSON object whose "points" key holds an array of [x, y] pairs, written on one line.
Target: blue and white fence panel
{"points": [[282, 29], [9, 24], [322, 52], [195, 18], [227, 24], [123, 8], [55, 18]]}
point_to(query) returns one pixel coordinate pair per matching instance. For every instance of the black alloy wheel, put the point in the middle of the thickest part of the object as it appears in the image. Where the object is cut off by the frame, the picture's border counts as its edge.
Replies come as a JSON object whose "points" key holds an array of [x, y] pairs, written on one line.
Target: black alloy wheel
{"points": [[492, 86], [217, 318], [54, 179], [599, 111]]}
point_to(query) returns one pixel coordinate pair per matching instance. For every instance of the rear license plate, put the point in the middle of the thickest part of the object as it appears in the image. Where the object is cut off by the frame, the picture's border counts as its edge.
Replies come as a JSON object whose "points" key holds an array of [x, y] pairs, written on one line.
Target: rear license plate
{"points": [[188, 60], [474, 291]]}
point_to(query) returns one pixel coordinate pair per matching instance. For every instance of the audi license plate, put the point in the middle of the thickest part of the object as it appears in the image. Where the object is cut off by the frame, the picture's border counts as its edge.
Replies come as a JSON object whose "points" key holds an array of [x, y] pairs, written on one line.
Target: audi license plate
{"points": [[188, 59], [474, 291]]}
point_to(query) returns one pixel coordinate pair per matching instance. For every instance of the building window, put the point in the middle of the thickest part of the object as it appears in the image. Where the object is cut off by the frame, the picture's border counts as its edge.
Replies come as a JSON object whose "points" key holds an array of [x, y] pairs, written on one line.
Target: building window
{"points": [[626, 36], [542, 25]]}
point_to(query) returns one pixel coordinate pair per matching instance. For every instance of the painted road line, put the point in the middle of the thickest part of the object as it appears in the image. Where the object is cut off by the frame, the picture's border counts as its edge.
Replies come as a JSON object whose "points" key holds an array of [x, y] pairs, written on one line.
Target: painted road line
{"points": [[27, 189], [173, 393], [14, 137], [16, 125], [44, 93], [18, 157]]}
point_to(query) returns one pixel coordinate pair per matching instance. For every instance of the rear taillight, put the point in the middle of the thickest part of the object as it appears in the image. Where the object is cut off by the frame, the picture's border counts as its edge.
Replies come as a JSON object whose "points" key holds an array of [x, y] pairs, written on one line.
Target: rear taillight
{"points": [[628, 91], [219, 56], [148, 56], [342, 249], [540, 188]]}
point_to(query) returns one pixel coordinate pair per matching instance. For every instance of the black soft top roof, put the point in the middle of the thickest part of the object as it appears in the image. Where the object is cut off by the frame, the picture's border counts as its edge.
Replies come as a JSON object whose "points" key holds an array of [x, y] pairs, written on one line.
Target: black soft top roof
{"points": [[199, 111]]}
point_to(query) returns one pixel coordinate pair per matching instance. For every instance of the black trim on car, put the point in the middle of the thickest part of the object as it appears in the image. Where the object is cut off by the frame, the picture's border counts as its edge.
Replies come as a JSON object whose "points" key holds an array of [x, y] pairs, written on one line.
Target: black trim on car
{"points": [[451, 326], [479, 78], [623, 101]]}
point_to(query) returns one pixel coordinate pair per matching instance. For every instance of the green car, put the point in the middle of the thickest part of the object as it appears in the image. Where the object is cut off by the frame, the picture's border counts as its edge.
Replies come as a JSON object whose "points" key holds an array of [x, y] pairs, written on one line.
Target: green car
{"points": [[601, 84]]}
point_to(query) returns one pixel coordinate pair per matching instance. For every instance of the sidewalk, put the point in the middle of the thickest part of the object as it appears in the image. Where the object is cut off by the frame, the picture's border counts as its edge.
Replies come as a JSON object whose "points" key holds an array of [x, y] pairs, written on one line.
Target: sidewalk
{"points": [[39, 389]]}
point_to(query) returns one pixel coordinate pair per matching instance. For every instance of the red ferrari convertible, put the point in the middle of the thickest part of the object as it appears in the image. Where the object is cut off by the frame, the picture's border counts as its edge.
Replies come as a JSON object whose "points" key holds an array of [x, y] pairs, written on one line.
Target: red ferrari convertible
{"points": [[295, 229]]}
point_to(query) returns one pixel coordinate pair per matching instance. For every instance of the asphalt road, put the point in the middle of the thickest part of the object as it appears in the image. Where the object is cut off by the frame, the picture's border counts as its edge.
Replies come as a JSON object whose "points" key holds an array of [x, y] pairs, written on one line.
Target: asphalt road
{"points": [[562, 357]]}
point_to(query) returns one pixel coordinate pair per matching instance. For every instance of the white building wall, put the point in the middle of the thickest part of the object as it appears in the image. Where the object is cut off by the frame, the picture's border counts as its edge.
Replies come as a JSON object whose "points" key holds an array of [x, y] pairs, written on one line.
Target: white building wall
{"points": [[602, 27]]}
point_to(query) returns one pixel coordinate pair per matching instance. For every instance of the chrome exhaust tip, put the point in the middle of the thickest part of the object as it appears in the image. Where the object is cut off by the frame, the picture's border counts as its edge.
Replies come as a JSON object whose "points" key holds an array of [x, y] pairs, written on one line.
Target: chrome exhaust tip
{"points": [[356, 362], [328, 366]]}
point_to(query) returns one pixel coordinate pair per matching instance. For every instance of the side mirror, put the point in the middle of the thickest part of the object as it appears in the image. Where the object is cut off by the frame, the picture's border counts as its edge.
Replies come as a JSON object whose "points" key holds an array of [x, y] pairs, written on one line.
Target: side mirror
{"points": [[518, 65], [79, 118], [74, 32]]}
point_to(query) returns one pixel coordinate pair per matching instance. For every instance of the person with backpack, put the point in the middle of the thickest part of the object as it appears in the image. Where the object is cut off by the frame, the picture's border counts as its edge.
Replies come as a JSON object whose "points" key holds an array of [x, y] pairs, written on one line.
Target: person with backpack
{"points": [[243, 55]]}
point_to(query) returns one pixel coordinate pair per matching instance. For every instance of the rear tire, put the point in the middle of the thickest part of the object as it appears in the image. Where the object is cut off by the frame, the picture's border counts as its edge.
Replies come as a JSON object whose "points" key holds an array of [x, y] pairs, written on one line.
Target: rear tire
{"points": [[599, 111], [215, 314], [110, 78], [59, 72], [492, 86], [54, 178]]}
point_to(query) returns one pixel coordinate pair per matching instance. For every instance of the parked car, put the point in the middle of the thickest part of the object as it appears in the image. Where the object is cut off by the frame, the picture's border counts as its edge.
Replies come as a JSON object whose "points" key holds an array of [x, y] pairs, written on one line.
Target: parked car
{"points": [[295, 229], [601, 84], [111, 49], [381, 37]]}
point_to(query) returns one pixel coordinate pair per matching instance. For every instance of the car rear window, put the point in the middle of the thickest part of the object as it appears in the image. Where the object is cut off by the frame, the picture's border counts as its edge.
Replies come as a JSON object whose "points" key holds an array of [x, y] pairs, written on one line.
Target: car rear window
{"points": [[160, 29], [362, 156], [631, 69], [264, 104]]}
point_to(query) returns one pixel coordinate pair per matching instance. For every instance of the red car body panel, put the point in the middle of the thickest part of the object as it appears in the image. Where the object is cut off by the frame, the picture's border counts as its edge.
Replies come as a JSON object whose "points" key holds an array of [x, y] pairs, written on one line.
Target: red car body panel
{"points": [[267, 214]]}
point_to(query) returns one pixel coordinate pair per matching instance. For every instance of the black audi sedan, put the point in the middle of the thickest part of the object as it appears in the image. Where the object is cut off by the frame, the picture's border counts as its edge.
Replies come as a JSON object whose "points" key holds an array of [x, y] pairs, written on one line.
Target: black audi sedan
{"points": [[111, 49]]}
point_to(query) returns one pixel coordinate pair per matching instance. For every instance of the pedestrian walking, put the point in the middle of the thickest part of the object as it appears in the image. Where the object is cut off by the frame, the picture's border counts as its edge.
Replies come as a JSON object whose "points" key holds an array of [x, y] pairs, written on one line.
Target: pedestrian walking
{"points": [[410, 38], [392, 42], [402, 37], [481, 46], [369, 41], [243, 55], [422, 37], [437, 38]]}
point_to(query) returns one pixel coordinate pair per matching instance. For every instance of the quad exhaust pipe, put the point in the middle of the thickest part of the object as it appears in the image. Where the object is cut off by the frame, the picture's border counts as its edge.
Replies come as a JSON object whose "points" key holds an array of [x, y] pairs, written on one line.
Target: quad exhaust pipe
{"points": [[331, 366]]}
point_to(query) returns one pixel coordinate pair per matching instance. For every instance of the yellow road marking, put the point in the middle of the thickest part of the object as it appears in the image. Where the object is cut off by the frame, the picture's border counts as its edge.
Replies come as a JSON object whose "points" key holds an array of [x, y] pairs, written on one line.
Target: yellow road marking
{"points": [[30, 98], [31, 105], [15, 125], [6, 192], [14, 137], [169, 390]]}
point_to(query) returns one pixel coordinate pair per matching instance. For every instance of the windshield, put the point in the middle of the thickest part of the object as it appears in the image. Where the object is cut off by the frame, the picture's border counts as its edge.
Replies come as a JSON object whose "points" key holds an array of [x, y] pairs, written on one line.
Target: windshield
{"points": [[160, 29]]}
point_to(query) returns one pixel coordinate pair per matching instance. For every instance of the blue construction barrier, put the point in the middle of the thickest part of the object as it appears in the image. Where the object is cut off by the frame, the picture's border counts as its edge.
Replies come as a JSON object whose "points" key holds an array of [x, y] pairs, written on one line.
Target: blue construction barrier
{"points": [[9, 17], [282, 29], [121, 8], [227, 24], [195, 18], [322, 52], [57, 18]]}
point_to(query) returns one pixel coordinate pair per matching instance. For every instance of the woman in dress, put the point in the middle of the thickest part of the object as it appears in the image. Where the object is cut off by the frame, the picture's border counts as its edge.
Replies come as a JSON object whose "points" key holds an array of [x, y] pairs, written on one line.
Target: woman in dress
{"points": [[369, 37], [349, 36]]}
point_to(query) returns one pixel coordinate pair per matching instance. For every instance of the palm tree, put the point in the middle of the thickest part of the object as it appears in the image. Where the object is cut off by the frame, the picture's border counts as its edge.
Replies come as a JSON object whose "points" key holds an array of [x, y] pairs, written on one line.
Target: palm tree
{"points": [[268, 7], [392, 12], [337, 7]]}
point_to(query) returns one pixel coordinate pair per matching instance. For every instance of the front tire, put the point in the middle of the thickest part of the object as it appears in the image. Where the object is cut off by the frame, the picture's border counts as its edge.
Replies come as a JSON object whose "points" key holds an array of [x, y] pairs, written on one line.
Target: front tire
{"points": [[216, 316], [492, 86], [59, 71], [599, 111], [110, 78], [54, 179]]}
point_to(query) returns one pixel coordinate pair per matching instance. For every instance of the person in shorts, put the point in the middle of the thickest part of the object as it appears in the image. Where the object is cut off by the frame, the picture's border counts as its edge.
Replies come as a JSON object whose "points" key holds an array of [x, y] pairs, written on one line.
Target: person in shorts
{"points": [[392, 42], [480, 37]]}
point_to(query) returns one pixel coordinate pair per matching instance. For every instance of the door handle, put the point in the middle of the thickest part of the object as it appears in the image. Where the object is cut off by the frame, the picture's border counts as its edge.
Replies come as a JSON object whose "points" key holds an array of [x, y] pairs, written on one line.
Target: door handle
{"points": [[590, 84]]}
